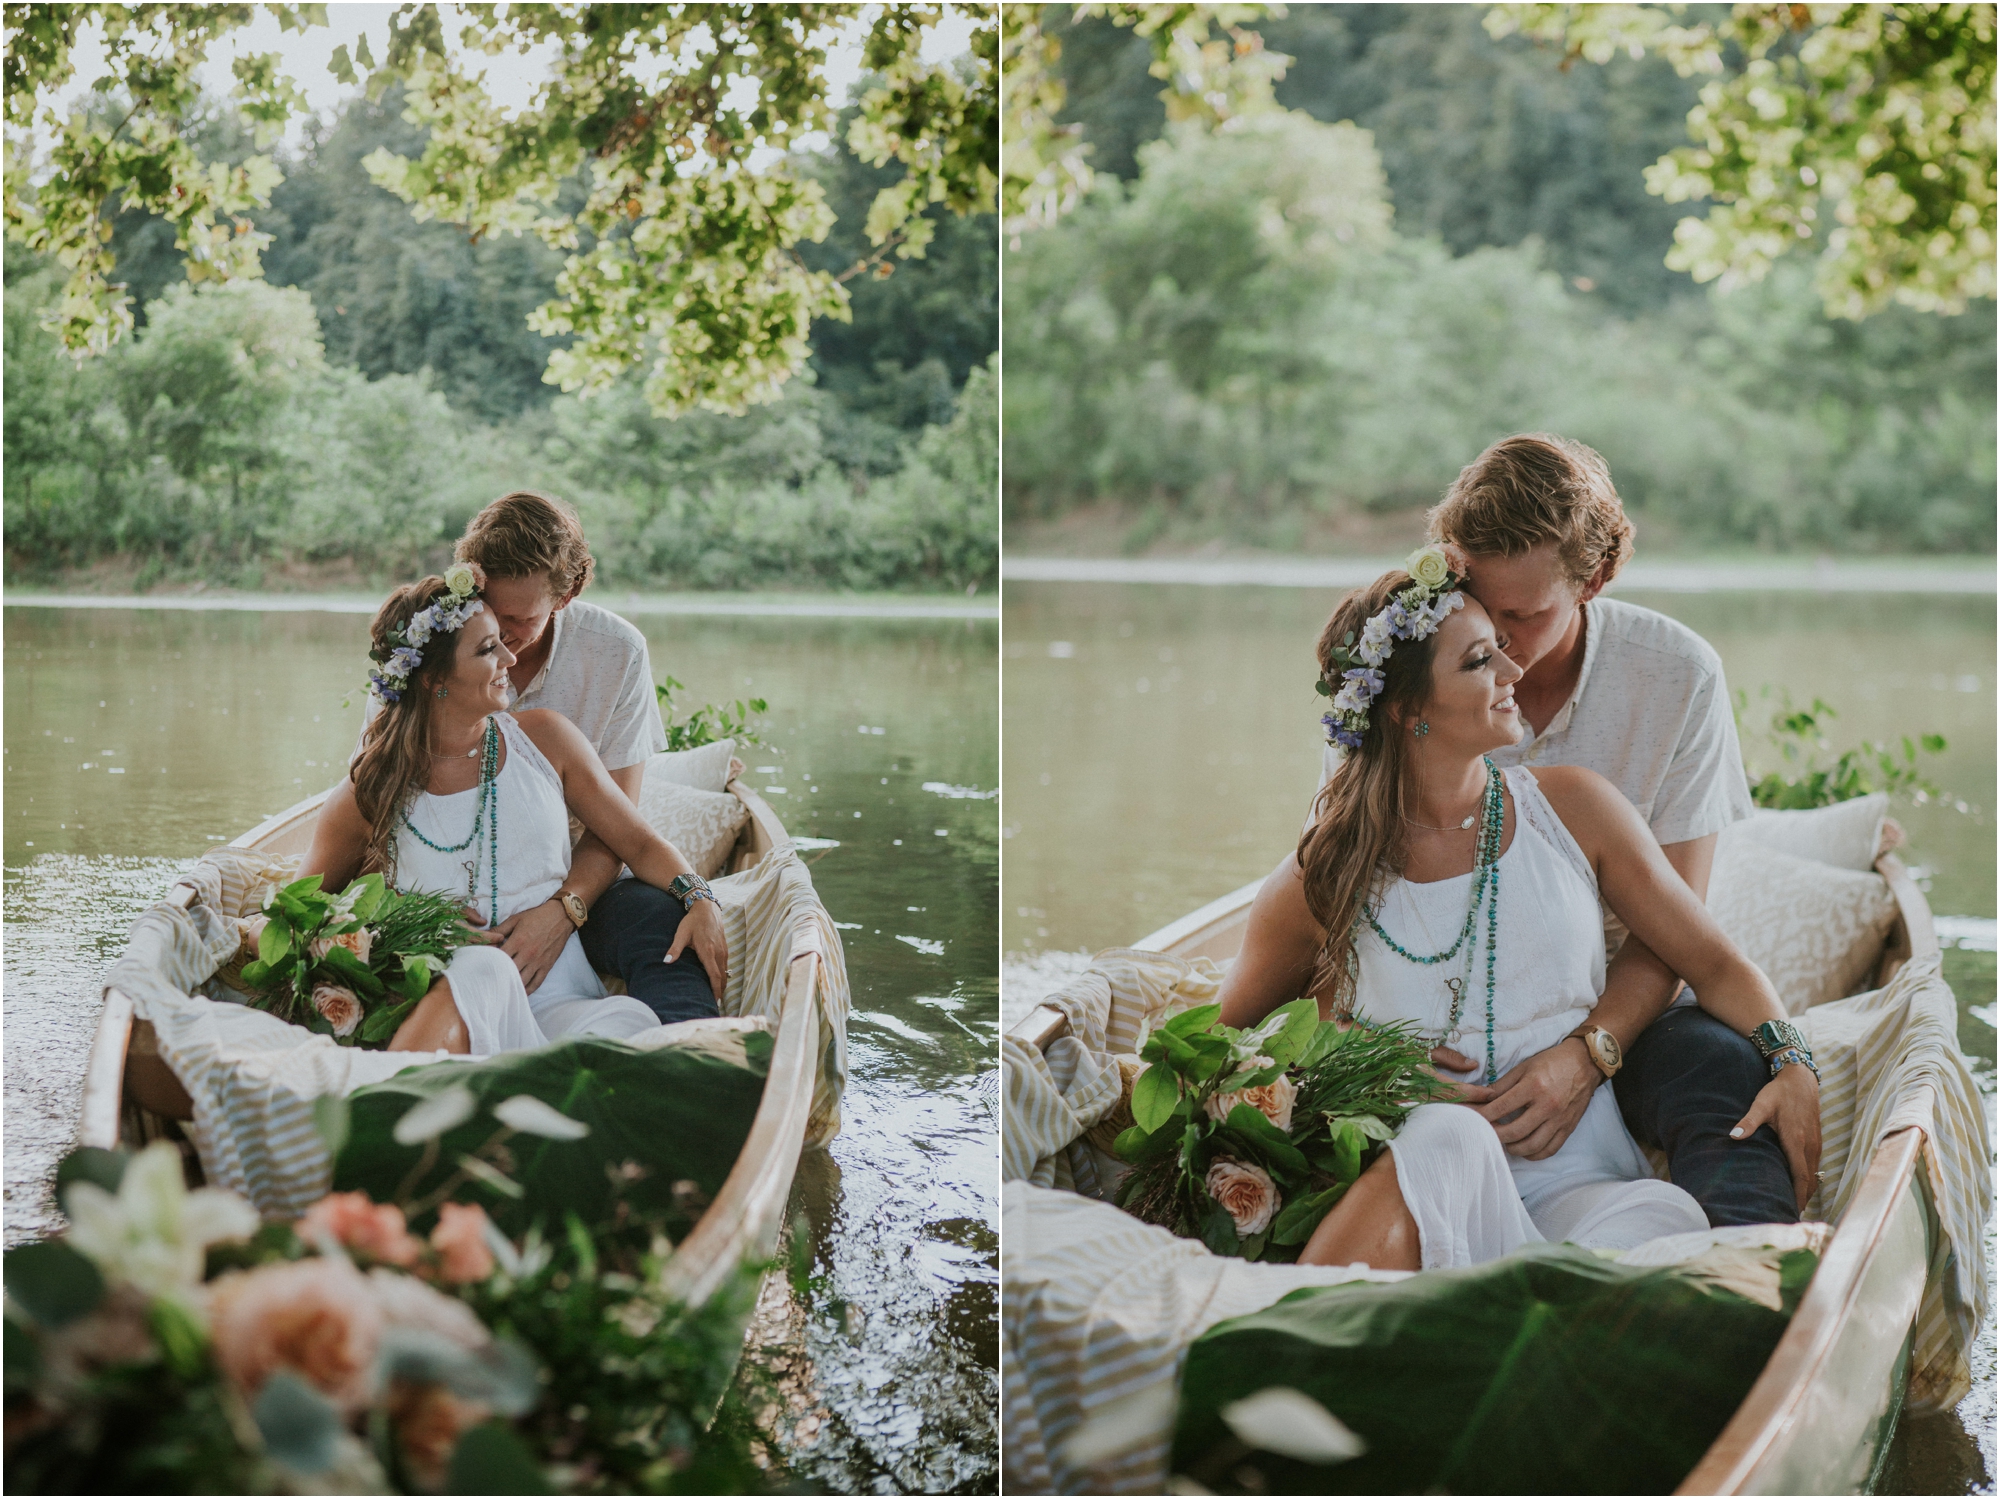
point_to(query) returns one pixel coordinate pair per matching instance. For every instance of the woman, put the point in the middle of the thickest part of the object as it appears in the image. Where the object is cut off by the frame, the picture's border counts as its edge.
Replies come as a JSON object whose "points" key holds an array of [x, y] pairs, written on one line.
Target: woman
{"points": [[450, 793], [1434, 890]]}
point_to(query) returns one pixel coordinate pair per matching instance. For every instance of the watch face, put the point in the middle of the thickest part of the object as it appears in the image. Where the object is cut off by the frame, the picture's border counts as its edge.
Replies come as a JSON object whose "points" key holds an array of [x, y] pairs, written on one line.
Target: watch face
{"points": [[1606, 1046]]}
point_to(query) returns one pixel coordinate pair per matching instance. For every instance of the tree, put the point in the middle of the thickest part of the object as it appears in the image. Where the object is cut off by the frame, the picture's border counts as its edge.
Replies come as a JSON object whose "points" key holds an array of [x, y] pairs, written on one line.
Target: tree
{"points": [[1209, 78], [675, 122], [1863, 131]]}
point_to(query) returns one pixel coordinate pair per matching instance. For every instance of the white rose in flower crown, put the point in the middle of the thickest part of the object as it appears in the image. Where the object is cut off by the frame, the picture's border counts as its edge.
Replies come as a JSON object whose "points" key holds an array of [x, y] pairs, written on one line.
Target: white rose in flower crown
{"points": [[1273, 1100], [460, 578], [1429, 566], [1246, 1193]]}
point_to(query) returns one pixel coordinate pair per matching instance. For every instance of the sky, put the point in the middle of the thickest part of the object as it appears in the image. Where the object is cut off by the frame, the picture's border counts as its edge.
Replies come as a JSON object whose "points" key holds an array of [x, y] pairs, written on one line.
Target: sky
{"points": [[510, 78]]}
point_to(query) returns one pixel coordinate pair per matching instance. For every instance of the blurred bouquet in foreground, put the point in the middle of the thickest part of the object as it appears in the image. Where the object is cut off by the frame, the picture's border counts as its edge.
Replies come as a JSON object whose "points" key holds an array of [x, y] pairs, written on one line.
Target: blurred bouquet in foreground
{"points": [[1246, 1139], [169, 1343]]}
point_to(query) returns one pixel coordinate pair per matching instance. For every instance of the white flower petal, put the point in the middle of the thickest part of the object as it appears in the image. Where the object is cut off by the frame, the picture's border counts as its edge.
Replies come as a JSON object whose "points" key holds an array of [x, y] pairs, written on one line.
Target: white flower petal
{"points": [[214, 1216], [1292, 1424], [435, 1115], [533, 1117]]}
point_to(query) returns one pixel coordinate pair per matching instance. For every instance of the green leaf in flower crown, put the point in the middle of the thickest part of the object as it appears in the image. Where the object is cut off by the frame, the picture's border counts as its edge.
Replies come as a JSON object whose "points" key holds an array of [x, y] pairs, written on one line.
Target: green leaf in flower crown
{"points": [[1189, 1021], [1322, 689], [1268, 1141], [1154, 1096], [1295, 1224], [491, 1459], [275, 940], [300, 1427], [52, 1282]]}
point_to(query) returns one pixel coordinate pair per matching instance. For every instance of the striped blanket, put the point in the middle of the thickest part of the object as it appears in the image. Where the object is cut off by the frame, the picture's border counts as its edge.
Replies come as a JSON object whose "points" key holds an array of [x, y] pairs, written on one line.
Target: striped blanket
{"points": [[1098, 1309], [253, 1077]]}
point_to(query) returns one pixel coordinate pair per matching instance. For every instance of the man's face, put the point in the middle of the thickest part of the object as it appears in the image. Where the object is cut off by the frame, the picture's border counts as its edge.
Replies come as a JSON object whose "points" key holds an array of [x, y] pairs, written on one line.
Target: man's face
{"points": [[522, 607], [1531, 599]]}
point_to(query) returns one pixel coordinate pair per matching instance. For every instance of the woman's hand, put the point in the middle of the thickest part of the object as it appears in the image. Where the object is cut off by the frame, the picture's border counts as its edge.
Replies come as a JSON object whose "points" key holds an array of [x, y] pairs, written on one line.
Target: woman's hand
{"points": [[1789, 1103], [701, 928]]}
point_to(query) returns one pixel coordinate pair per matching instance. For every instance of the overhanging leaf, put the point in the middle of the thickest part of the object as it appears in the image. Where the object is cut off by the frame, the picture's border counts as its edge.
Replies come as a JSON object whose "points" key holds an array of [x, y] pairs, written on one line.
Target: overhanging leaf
{"points": [[1154, 1096]]}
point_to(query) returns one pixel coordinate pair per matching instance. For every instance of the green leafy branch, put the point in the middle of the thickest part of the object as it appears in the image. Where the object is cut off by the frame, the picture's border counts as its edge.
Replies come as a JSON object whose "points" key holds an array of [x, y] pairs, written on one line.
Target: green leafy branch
{"points": [[1813, 776], [711, 721]]}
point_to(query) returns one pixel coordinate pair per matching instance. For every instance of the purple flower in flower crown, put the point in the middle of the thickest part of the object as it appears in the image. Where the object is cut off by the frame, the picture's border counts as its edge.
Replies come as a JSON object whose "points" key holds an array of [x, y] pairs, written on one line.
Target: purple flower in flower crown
{"points": [[405, 660], [1368, 676]]}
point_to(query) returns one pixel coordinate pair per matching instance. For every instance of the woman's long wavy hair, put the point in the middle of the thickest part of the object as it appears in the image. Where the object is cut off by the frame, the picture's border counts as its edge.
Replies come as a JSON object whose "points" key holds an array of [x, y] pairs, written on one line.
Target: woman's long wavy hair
{"points": [[1355, 844], [394, 764]]}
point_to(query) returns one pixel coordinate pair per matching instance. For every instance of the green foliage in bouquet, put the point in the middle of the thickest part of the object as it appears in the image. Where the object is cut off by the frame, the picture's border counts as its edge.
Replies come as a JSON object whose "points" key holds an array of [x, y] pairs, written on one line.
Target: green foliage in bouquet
{"points": [[352, 965], [1246, 1139]]}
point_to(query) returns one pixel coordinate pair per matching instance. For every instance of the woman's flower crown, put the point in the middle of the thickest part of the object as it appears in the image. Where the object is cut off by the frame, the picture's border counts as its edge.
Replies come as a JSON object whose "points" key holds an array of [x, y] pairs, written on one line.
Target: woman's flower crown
{"points": [[443, 616], [1415, 613]]}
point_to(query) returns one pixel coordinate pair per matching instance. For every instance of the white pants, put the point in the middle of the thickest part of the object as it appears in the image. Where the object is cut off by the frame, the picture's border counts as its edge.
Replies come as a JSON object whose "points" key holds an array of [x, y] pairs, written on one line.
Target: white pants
{"points": [[500, 1015], [1473, 1202]]}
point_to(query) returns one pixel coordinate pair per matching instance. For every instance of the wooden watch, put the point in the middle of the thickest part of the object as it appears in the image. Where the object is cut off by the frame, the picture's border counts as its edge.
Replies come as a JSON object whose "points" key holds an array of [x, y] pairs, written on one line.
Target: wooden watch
{"points": [[1603, 1048], [573, 907]]}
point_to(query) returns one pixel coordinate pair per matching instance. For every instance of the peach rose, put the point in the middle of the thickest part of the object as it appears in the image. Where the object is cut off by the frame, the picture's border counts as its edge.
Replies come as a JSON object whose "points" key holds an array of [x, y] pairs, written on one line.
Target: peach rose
{"points": [[313, 1317], [1246, 1193], [361, 1227], [428, 1421], [1273, 1100], [359, 943], [338, 1007], [460, 1240]]}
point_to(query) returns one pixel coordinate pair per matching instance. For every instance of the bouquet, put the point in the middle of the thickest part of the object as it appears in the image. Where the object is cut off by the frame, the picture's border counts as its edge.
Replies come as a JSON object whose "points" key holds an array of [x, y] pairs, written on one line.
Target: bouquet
{"points": [[352, 965], [170, 1344], [1246, 1139]]}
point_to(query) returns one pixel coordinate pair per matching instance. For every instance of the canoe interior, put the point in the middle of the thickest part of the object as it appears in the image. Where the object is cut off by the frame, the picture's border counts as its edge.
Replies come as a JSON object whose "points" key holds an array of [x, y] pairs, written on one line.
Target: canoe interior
{"points": [[1819, 1418], [131, 1098]]}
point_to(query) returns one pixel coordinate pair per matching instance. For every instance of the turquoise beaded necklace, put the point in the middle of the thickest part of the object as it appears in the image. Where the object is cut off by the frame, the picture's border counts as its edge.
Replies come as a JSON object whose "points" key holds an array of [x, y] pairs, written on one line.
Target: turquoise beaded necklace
{"points": [[1486, 890], [487, 816]]}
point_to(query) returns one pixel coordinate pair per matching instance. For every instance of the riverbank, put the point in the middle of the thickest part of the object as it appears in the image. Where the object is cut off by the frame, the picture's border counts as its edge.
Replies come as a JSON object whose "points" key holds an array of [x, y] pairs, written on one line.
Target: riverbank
{"points": [[625, 602], [1692, 574]]}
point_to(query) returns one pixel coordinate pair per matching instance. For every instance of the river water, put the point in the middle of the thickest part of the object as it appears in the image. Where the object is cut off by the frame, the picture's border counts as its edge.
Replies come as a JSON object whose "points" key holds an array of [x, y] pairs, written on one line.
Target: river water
{"points": [[137, 738], [1162, 745]]}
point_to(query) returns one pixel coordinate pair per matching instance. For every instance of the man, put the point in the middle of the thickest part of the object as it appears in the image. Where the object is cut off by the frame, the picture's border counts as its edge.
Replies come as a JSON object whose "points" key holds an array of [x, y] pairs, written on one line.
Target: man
{"points": [[590, 666], [1640, 699]]}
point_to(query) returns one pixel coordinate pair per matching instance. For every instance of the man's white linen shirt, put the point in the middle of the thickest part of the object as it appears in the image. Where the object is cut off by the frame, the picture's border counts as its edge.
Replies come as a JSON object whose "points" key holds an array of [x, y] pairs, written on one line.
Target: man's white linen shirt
{"points": [[1650, 713], [600, 678]]}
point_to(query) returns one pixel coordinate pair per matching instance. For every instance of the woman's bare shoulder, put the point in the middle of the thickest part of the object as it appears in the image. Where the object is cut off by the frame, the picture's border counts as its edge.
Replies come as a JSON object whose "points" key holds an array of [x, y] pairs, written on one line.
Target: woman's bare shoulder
{"points": [[1589, 805]]}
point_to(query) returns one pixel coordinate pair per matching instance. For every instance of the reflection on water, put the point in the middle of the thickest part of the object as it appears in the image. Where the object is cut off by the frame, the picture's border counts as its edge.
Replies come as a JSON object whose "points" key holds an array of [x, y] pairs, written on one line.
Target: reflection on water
{"points": [[1163, 744], [135, 739]]}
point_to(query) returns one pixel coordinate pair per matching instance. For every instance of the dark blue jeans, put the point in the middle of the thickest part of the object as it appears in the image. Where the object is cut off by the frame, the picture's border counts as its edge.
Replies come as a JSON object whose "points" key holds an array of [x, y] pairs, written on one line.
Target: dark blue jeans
{"points": [[629, 931], [1685, 1083]]}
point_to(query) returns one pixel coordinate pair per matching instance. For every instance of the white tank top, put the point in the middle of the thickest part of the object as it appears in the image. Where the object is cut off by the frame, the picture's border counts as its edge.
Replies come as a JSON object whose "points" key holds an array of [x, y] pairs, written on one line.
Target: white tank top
{"points": [[1549, 957], [533, 834]]}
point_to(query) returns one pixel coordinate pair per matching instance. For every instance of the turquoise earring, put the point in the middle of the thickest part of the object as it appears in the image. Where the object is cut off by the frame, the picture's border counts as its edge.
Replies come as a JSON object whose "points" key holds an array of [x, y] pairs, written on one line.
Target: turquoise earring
{"points": [[441, 692], [1423, 726]]}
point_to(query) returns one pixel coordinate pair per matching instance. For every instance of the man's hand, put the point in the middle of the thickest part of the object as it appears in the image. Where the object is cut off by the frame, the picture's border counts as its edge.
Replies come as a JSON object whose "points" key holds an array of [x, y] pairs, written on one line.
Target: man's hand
{"points": [[1789, 1103], [1534, 1107], [1444, 1062], [534, 939], [701, 928]]}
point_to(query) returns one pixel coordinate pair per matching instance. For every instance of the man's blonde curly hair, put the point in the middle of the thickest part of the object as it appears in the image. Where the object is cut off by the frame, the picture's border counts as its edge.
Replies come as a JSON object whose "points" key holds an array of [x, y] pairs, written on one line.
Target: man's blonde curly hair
{"points": [[1533, 488]]}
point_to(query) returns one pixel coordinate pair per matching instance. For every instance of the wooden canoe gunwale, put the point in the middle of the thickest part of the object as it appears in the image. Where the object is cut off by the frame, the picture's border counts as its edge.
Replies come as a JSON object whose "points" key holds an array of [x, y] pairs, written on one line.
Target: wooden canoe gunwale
{"points": [[742, 1223], [1750, 1454]]}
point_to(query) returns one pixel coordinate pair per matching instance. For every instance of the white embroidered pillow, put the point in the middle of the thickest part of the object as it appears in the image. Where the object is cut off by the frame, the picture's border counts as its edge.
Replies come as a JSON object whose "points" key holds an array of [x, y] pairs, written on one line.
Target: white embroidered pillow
{"points": [[1815, 930], [1847, 835], [702, 824], [705, 769]]}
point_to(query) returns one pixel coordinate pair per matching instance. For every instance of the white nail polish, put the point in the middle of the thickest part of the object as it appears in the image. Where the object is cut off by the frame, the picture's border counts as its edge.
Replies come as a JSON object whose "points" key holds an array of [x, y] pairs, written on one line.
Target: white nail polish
{"points": [[1736, 1134]]}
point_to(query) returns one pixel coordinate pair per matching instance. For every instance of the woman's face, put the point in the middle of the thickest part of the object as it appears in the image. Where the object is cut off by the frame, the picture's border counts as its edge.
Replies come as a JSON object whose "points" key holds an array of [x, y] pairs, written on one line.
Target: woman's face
{"points": [[478, 679], [1471, 705]]}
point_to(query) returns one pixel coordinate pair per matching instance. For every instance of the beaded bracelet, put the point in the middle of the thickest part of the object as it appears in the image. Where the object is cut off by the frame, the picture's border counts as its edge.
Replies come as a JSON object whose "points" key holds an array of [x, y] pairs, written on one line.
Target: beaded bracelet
{"points": [[1778, 1059]]}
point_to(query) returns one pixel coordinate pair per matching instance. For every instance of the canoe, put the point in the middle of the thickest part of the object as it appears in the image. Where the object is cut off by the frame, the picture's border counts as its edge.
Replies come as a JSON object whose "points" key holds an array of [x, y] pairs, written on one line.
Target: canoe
{"points": [[131, 1098], [1819, 1418]]}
